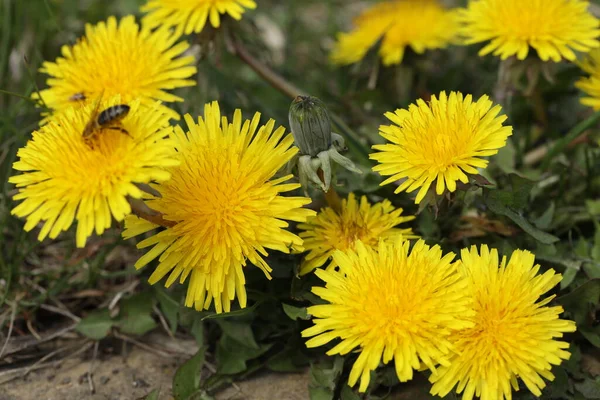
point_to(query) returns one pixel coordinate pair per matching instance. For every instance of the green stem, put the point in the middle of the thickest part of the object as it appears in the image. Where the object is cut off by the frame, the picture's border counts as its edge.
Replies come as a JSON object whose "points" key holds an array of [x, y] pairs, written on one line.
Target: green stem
{"points": [[290, 90], [573, 134]]}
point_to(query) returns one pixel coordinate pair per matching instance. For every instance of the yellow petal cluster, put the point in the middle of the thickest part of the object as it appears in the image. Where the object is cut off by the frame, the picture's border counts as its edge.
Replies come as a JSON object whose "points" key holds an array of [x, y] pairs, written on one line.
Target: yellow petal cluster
{"points": [[225, 207], [590, 84], [119, 58], [439, 142], [66, 178], [190, 16], [553, 28], [391, 304], [514, 332], [357, 221], [419, 24]]}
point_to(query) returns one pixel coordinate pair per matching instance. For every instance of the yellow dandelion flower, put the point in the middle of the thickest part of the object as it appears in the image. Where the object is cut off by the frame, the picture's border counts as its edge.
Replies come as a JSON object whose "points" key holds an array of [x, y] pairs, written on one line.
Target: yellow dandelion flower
{"points": [[330, 231], [391, 304], [66, 177], [514, 330], [419, 24], [439, 141], [554, 28], [591, 84], [224, 206], [191, 15], [119, 59]]}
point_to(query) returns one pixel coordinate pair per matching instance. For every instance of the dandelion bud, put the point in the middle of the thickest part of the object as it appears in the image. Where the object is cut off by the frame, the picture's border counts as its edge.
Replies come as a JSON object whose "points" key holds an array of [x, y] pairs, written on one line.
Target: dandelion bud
{"points": [[311, 125], [319, 147]]}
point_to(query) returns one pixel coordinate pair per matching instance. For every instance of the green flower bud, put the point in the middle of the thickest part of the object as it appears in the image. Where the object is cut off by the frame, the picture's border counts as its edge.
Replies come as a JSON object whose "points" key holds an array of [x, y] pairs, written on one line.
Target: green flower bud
{"points": [[310, 125], [319, 147]]}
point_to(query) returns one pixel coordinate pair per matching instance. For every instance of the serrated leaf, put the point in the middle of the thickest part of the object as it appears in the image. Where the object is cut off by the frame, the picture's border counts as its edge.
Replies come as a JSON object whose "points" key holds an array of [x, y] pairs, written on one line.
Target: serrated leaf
{"points": [[325, 373], [238, 331], [497, 203], [186, 380], [521, 187], [135, 315], [348, 394], [295, 312], [289, 360], [580, 300], [96, 325], [232, 356]]}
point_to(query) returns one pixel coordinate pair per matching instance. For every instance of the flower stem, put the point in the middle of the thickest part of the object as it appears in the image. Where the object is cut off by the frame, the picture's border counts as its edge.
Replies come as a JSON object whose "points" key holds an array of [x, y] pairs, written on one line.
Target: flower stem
{"points": [[331, 196], [139, 208], [288, 89], [264, 71]]}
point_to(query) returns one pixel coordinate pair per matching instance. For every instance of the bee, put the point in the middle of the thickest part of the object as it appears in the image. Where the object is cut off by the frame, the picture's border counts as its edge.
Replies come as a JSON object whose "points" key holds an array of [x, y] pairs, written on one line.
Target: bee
{"points": [[112, 115], [110, 118], [77, 97]]}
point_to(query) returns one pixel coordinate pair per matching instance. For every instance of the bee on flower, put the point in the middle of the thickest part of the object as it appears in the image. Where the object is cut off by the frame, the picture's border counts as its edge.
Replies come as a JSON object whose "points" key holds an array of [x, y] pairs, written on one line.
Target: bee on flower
{"points": [[69, 176], [119, 58]]}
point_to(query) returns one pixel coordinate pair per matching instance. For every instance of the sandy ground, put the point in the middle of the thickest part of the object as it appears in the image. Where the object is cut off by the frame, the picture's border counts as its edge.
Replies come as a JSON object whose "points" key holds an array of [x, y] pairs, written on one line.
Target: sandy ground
{"points": [[132, 377]]}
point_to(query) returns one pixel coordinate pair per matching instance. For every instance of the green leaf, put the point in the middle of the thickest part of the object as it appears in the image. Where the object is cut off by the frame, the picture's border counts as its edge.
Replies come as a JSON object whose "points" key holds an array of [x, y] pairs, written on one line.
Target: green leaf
{"points": [[295, 312], [291, 359], [168, 306], [187, 377], [237, 313], [591, 335], [153, 395], [325, 373], [232, 356], [320, 393], [593, 207], [505, 159], [96, 325], [578, 303], [590, 388], [596, 248], [135, 316], [572, 134], [559, 387], [348, 394], [568, 277], [582, 248], [544, 221], [520, 190], [497, 202], [197, 330], [239, 331]]}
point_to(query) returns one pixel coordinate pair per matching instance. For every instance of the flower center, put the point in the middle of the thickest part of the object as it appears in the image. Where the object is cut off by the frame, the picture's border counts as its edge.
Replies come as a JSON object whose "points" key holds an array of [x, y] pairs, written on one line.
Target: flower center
{"points": [[353, 231]]}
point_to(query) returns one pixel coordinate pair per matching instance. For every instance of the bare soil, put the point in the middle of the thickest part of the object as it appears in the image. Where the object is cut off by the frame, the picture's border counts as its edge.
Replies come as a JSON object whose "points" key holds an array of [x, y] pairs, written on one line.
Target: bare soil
{"points": [[134, 373]]}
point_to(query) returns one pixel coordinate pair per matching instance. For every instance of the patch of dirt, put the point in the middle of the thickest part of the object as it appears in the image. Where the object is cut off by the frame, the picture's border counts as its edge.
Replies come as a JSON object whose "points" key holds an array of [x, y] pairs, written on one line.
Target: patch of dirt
{"points": [[132, 377]]}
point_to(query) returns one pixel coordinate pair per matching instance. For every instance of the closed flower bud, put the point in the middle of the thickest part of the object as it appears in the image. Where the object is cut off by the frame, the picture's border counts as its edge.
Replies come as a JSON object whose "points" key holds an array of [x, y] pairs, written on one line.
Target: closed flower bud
{"points": [[319, 146], [310, 125]]}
